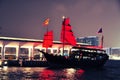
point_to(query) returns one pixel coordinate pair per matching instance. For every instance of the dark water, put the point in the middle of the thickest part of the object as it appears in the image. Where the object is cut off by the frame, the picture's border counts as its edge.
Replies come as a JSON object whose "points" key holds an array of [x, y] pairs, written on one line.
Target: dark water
{"points": [[111, 71]]}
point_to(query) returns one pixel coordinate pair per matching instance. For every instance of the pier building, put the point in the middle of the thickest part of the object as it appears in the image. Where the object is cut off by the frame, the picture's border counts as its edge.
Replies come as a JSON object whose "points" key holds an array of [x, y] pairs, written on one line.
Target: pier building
{"points": [[22, 48]]}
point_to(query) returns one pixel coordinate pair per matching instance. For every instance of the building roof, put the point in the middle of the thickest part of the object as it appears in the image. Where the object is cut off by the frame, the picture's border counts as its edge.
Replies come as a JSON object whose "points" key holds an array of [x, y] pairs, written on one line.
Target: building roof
{"points": [[30, 40]]}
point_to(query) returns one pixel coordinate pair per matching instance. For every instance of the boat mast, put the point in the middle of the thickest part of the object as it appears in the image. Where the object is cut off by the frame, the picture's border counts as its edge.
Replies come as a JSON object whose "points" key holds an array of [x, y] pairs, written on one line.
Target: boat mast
{"points": [[102, 37], [45, 24], [63, 33], [47, 35], [67, 34]]}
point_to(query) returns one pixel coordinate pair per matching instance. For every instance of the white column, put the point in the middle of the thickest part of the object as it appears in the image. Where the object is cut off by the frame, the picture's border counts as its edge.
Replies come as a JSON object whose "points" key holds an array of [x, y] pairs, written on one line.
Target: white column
{"points": [[17, 51], [3, 51], [51, 50], [32, 54], [4, 43], [29, 53]]}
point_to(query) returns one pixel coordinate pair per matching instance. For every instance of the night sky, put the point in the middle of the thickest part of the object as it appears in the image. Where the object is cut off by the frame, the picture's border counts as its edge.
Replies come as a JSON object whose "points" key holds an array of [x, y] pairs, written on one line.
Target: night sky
{"points": [[24, 18]]}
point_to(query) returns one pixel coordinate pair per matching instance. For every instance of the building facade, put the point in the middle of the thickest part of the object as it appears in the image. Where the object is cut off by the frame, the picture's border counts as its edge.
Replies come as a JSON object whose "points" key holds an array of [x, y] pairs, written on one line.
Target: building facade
{"points": [[21, 48], [91, 40], [115, 51], [27, 49]]}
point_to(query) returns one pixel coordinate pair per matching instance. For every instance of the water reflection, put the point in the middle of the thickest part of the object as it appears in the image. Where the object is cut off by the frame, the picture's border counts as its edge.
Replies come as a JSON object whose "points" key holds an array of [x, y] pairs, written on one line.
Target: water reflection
{"points": [[47, 75], [22, 73], [109, 72]]}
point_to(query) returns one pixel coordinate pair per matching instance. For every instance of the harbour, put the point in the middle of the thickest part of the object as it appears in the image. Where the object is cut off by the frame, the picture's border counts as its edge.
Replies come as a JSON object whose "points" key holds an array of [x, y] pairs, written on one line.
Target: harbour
{"points": [[59, 40], [32, 59], [65, 53], [24, 52]]}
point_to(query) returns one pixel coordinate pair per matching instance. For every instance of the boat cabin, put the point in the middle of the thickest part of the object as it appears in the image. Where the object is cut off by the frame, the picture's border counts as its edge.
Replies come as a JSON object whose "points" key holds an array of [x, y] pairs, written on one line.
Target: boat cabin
{"points": [[86, 53]]}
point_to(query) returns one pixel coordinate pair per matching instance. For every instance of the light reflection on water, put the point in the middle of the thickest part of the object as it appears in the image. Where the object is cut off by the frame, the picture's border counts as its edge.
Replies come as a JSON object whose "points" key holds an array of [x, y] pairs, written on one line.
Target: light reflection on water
{"points": [[37, 73], [109, 72]]}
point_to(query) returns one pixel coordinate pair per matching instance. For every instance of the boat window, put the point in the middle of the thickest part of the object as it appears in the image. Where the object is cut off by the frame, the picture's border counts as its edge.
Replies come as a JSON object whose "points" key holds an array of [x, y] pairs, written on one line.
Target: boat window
{"points": [[91, 51], [98, 51], [94, 50], [59, 52], [43, 50], [48, 50], [54, 50], [74, 49], [86, 50], [77, 57], [66, 53], [85, 57]]}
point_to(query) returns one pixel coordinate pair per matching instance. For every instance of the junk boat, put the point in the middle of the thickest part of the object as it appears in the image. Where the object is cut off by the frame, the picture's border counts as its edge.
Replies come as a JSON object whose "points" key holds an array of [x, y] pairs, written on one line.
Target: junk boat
{"points": [[82, 56], [79, 57]]}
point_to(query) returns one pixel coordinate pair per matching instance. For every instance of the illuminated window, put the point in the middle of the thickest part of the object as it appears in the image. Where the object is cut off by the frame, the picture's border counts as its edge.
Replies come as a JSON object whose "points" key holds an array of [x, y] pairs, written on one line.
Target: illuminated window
{"points": [[38, 55], [66, 53], [23, 53], [54, 50], [10, 53], [10, 50], [49, 50], [43, 50]]}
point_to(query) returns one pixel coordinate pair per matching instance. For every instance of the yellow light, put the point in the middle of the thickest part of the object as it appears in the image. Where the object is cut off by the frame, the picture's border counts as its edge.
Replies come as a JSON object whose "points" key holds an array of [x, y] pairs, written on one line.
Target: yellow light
{"points": [[5, 62], [115, 58], [0, 62], [70, 70], [5, 68]]}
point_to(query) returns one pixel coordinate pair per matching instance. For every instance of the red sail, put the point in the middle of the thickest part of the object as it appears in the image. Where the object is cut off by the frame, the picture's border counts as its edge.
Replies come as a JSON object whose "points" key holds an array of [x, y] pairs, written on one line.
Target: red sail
{"points": [[48, 39], [66, 33]]}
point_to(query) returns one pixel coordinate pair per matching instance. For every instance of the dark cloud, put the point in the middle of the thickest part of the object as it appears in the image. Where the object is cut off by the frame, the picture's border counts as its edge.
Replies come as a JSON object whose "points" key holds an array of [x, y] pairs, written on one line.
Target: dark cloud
{"points": [[23, 18]]}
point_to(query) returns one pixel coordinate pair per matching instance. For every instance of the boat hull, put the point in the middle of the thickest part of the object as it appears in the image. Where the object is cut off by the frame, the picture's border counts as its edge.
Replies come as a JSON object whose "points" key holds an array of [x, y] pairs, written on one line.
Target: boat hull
{"points": [[62, 61]]}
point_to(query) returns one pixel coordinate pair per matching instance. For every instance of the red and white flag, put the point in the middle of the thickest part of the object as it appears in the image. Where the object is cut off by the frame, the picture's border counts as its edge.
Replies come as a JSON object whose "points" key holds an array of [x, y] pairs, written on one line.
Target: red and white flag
{"points": [[46, 22]]}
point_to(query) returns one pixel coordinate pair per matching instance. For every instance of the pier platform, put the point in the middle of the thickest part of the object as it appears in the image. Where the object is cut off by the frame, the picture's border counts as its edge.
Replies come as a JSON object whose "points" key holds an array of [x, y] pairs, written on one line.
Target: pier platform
{"points": [[17, 63]]}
